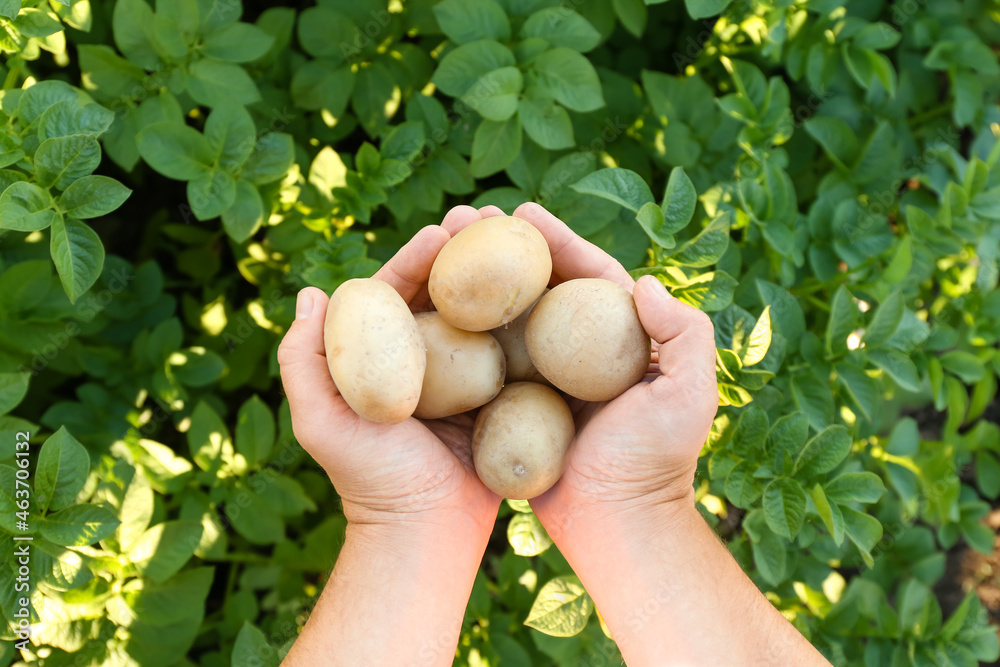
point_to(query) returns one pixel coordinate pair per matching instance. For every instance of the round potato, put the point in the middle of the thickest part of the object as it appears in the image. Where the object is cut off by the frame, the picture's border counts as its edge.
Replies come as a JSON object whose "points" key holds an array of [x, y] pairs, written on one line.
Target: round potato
{"points": [[511, 339], [465, 369], [585, 337], [490, 273], [520, 440], [374, 350]]}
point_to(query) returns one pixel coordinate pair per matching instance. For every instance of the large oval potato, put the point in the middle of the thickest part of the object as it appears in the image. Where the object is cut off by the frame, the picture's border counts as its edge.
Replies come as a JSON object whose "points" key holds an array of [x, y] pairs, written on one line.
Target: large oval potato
{"points": [[374, 350], [464, 369], [585, 337], [520, 440], [511, 339], [489, 273]]}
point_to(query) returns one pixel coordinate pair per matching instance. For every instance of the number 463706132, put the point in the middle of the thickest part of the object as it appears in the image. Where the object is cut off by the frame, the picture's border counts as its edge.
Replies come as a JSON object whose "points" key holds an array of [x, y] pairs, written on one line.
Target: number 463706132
{"points": [[22, 490]]}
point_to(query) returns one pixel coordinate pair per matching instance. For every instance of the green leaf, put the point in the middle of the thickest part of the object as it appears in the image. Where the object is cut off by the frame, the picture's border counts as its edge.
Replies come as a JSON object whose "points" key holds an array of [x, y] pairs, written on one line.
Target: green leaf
{"points": [[700, 9], [246, 215], [494, 95], [830, 513], [92, 197], [272, 157], [136, 510], [885, 321], [196, 366], [862, 487], [967, 366], [40, 97], [824, 452], [770, 555], [176, 151], [164, 549], [898, 366], [863, 390], [786, 313], [78, 525], [784, 506], [327, 33], [788, 434], [61, 472], [562, 27], [26, 207], [742, 488], [707, 247], [622, 186], [252, 648], [468, 20], [253, 518], [208, 438], [632, 14], [547, 123], [320, 85], [842, 320], [210, 193], [78, 255], [495, 146], [864, 530], [213, 82], [562, 607], [679, 201], [231, 134], [62, 160], [463, 66], [988, 474], [760, 340], [527, 536], [255, 431], [10, 8], [237, 43], [68, 117], [836, 138], [570, 79]]}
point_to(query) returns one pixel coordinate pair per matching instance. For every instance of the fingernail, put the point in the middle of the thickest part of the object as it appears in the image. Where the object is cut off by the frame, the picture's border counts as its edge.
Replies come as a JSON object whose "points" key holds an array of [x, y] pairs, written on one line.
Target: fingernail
{"points": [[303, 305], [660, 288]]}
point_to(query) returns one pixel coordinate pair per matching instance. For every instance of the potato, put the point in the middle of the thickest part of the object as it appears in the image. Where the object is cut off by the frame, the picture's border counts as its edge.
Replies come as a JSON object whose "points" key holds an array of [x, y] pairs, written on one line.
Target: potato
{"points": [[585, 337], [511, 339], [464, 369], [374, 350], [490, 273], [520, 440]]}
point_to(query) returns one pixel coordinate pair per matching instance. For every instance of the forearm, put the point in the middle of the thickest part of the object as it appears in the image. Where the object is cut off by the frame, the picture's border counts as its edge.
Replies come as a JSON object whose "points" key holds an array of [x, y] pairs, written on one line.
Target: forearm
{"points": [[397, 596], [672, 594]]}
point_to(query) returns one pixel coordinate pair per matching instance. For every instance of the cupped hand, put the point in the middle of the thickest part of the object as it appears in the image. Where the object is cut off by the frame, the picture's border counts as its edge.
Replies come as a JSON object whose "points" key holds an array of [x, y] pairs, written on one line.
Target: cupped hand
{"points": [[639, 450], [414, 470]]}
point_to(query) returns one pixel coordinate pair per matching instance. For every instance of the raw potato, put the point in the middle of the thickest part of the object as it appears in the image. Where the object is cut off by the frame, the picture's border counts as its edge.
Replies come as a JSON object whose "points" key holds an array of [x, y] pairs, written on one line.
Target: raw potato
{"points": [[520, 440], [511, 339], [490, 273], [464, 369], [374, 350], [585, 337]]}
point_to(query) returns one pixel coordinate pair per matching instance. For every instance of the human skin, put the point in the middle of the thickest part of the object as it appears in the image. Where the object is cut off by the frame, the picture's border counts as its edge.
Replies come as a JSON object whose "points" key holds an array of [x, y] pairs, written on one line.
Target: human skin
{"points": [[623, 514]]}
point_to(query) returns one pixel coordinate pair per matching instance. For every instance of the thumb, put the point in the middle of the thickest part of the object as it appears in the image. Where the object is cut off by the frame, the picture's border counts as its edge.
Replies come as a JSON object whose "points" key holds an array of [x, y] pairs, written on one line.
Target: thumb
{"points": [[302, 359]]}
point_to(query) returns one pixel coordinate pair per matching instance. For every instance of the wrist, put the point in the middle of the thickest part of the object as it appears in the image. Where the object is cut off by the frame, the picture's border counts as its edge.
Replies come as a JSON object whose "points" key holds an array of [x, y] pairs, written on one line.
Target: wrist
{"points": [[417, 531]]}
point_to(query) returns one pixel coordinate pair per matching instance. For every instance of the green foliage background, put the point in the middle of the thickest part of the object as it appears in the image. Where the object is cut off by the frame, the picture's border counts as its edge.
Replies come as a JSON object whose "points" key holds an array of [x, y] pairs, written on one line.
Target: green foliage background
{"points": [[171, 175]]}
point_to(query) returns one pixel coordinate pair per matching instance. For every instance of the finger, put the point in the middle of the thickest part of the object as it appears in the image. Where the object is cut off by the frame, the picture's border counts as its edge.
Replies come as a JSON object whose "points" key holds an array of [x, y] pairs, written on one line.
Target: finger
{"points": [[459, 218], [573, 256], [302, 359], [491, 211], [686, 354], [409, 268]]}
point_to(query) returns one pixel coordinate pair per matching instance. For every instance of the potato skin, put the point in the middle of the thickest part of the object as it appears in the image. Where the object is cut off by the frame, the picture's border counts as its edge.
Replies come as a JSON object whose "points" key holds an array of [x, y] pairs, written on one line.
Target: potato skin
{"points": [[585, 337], [489, 273], [465, 369], [520, 440], [374, 350], [511, 339]]}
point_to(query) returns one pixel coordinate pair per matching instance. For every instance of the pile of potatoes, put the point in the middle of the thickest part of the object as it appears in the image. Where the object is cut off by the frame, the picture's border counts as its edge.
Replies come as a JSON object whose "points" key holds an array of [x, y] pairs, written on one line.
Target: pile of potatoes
{"points": [[498, 340]]}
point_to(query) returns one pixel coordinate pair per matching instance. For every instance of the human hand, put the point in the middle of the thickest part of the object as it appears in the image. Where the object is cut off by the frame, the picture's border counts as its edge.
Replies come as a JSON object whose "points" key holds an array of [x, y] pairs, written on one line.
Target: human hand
{"points": [[385, 474], [639, 451]]}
